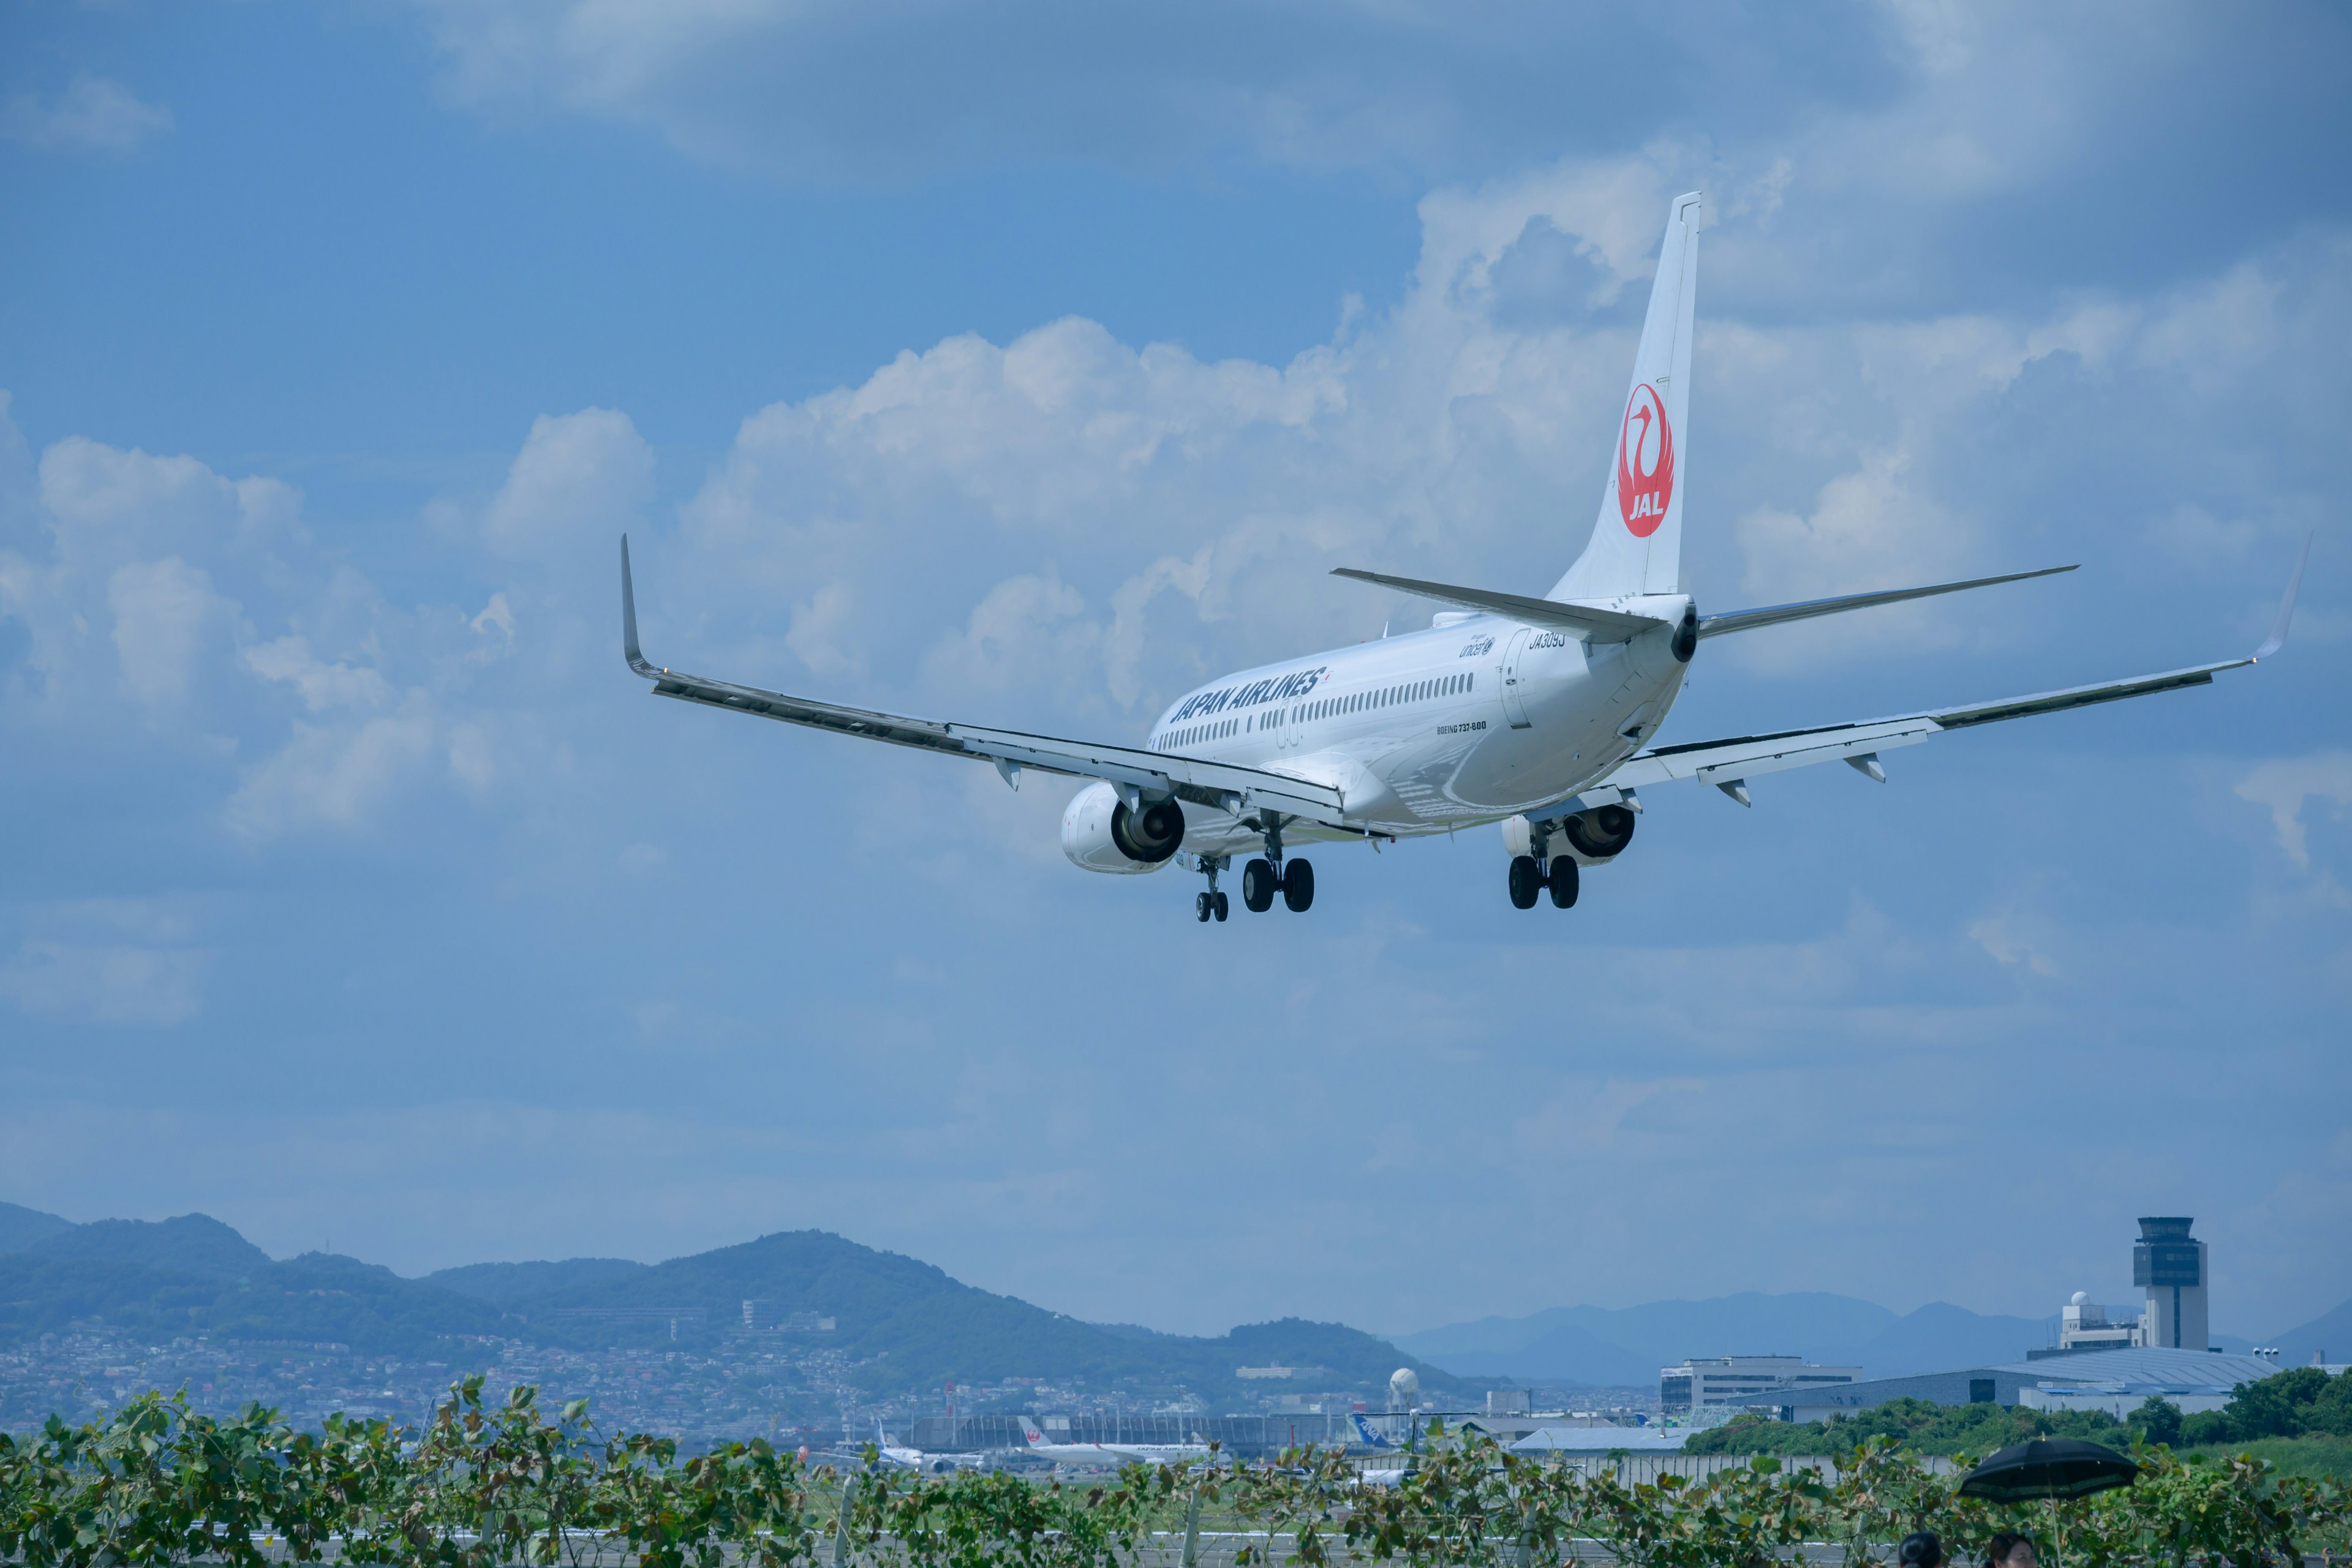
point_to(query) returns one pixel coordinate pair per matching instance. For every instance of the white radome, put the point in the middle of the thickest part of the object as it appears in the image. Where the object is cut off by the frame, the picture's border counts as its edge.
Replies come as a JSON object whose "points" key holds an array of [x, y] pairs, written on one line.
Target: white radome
{"points": [[2081, 1296], [1404, 1389]]}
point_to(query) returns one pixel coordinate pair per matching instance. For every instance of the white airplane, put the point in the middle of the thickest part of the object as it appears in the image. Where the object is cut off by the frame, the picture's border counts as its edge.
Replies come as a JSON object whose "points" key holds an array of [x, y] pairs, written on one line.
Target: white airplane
{"points": [[904, 1459], [1106, 1455], [1536, 713]]}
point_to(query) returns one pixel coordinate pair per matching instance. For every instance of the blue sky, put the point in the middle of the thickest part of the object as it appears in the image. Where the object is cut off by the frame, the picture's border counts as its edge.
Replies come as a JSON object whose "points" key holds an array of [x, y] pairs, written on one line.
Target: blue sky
{"points": [[1027, 364]]}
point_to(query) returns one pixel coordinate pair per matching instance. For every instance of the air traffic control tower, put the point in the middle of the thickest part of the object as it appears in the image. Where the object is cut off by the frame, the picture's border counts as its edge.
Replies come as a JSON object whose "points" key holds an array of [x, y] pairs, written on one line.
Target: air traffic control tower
{"points": [[2172, 1268]]}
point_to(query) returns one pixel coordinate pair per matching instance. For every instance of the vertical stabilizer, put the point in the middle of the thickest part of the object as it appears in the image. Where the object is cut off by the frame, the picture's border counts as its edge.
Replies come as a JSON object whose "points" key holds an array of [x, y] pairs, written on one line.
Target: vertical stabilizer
{"points": [[1637, 544]]}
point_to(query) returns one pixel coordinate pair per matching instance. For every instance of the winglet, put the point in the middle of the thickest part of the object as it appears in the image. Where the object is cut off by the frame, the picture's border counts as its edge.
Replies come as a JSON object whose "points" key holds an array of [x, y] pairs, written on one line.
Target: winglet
{"points": [[629, 648], [2277, 639]]}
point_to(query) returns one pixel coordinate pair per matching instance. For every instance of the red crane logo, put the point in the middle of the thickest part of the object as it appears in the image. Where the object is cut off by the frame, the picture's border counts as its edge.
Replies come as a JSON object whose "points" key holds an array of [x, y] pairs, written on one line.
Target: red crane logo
{"points": [[1646, 463]]}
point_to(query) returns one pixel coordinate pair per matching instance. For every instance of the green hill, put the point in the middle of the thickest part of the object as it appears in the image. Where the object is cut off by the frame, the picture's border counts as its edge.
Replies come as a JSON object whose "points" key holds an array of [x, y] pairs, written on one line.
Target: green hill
{"points": [[20, 1227], [910, 1325], [192, 1275], [189, 1244]]}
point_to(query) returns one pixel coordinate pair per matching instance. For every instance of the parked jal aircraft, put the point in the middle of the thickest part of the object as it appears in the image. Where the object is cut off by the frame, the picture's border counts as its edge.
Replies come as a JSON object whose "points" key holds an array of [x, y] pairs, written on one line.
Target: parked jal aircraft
{"points": [[1541, 714], [1108, 1456]]}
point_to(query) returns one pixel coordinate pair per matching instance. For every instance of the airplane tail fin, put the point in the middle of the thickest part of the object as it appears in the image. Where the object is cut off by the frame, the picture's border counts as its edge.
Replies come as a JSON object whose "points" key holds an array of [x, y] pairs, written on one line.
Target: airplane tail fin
{"points": [[1371, 1439], [1637, 544]]}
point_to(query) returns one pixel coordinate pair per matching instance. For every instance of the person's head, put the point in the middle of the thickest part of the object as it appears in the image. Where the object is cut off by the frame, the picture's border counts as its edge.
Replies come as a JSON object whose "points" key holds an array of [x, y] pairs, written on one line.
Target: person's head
{"points": [[1920, 1549], [2010, 1550]]}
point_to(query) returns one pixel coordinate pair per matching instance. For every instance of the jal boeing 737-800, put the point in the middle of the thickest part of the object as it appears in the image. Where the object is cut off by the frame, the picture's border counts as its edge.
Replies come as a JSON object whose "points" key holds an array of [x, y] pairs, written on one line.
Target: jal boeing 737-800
{"points": [[1539, 714]]}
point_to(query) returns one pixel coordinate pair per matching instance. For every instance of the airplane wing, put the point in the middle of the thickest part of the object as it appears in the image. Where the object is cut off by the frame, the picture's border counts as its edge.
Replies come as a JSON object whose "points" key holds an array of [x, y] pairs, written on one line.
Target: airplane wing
{"points": [[1729, 764], [1195, 780]]}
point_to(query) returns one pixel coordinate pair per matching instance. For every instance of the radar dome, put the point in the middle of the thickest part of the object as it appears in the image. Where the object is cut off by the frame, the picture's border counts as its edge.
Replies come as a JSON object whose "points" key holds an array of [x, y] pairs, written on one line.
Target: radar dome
{"points": [[2081, 1297], [1404, 1389]]}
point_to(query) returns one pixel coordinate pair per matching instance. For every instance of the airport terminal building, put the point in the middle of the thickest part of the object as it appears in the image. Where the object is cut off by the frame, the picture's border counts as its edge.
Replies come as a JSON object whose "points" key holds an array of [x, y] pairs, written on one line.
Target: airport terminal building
{"points": [[2117, 1381]]}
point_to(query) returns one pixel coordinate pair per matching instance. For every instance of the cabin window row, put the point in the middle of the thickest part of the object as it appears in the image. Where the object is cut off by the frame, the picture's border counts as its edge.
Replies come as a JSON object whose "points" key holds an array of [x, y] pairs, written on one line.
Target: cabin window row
{"points": [[1327, 707], [1195, 734], [1387, 697]]}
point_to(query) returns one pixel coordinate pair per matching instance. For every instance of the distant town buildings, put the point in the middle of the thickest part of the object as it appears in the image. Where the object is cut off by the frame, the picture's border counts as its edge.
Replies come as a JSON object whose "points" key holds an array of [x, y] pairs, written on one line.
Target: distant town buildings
{"points": [[770, 1315], [1703, 1381]]}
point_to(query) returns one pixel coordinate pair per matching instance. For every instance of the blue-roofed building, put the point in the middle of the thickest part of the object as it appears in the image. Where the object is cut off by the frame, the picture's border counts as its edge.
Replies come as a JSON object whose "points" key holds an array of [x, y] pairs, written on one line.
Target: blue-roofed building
{"points": [[2115, 1381]]}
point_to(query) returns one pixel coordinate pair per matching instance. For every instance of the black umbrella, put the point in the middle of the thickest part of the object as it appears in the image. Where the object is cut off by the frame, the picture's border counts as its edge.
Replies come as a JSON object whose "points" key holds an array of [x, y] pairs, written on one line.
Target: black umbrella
{"points": [[2049, 1468]]}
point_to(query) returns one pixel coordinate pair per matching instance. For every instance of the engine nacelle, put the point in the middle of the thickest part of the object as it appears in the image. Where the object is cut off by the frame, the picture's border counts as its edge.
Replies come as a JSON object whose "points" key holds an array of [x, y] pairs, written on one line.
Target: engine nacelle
{"points": [[1100, 833], [1590, 837]]}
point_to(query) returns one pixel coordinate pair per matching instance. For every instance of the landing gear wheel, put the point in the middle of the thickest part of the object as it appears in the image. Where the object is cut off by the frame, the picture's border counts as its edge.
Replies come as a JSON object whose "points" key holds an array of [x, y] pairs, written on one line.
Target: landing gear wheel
{"points": [[1258, 887], [1298, 886], [1202, 906], [1218, 906], [1564, 878], [1526, 881]]}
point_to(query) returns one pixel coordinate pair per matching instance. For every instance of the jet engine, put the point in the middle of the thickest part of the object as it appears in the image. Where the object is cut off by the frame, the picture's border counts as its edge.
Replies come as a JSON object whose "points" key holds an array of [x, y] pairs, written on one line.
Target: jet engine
{"points": [[1100, 833], [1592, 836], [1601, 833]]}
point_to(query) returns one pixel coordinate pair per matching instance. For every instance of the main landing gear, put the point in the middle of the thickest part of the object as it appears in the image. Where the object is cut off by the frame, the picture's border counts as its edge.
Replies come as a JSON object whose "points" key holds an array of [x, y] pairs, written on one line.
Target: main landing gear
{"points": [[1530, 877], [1269, 874], [1532, 874]]}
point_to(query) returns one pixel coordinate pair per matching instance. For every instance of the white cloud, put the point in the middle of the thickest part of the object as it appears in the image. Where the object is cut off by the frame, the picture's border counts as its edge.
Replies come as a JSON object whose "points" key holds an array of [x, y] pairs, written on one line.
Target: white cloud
{"points": [[92, 115], [2004, 940], [577, 477], [139, 986], [2284, 786], [321, 684], [334, 775], [1028, 631], [163, 611]]}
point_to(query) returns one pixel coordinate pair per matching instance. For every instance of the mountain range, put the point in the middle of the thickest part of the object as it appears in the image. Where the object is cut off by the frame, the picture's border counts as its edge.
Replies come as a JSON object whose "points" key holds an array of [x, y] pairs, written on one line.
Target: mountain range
{"points": [[902, 1323], [907, 1324]]}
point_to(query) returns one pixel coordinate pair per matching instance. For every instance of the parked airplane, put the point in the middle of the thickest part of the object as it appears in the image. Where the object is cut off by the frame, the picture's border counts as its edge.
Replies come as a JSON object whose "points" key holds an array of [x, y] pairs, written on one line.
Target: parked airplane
{"points": [[1106, 1455], [917, 1459], [1536, 713]]}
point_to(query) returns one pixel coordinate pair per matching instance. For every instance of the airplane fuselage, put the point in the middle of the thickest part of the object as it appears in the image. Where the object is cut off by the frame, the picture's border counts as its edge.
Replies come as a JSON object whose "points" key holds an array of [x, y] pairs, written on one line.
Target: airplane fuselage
{"points": [[1468, 722]]}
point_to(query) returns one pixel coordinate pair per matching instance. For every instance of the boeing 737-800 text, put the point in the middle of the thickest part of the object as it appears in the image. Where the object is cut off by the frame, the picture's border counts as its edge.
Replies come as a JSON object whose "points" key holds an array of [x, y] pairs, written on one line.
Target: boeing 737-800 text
{"points": [[1536, 713]]}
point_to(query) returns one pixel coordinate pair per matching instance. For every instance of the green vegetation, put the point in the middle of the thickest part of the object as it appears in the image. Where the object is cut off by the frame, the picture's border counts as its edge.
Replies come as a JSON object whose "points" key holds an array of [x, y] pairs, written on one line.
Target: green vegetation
{"points": [[2312, 1456], [1912, 1423], [484, 1486], [2306, 1400]]}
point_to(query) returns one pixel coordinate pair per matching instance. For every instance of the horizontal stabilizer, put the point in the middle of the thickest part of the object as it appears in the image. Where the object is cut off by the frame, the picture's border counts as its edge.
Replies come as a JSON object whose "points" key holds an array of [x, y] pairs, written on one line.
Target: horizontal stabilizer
{"points": [[1773, 614], [1597, 625]]}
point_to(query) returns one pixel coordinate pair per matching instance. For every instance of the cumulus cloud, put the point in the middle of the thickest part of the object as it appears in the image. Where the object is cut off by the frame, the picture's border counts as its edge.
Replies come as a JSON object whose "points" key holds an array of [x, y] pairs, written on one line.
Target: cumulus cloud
{"points": [[577, 477], [2284, 787], [188, 592], [92, 115], [163, 612], [333, 776]]}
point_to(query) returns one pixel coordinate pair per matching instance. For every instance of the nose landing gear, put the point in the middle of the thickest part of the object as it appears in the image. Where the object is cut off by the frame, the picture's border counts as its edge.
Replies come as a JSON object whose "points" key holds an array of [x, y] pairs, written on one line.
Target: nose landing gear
{"points": [[1211, 902]]}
